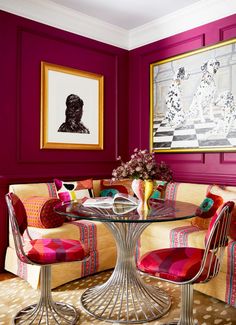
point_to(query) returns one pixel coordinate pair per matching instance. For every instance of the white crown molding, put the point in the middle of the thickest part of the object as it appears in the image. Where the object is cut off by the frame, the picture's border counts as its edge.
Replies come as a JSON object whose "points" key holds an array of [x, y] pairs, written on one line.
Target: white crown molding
{"points": [[49, 13], [52, 14], [195, 15]]}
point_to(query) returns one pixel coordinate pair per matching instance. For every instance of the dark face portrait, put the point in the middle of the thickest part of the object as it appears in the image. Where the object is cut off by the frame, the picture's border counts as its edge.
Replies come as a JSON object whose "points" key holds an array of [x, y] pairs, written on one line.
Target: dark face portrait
{"points": [[74, 113]]}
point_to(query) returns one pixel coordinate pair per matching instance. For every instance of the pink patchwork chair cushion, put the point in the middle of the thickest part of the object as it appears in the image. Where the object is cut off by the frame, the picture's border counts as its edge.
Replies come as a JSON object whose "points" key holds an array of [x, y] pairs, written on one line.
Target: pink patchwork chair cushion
{"points": [[54, 250], [176, 264]]}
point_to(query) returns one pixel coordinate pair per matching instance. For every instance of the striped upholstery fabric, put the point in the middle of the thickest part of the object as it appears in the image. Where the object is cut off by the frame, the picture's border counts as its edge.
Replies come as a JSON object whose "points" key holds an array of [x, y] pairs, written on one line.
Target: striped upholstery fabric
{"points": [[176, 264], [54, 250]]}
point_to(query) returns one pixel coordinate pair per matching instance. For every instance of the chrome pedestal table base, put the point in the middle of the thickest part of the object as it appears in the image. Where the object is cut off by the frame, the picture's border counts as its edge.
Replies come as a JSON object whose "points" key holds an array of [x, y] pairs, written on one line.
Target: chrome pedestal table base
{"points": [[125, 297]]}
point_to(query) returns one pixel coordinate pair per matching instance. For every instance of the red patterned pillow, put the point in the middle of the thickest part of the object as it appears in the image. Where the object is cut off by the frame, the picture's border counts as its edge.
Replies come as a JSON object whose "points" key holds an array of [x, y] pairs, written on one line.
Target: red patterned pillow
{"points": [[40, 212], [110, 188], [206, 210], [228, 194], [71, 191], [215, 238]]}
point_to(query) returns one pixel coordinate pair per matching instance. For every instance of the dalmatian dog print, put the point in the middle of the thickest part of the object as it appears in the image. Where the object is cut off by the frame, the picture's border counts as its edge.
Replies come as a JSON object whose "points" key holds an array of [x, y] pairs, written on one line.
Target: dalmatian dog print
{"points": [[175, 114], [228, 114], [203, 99]]}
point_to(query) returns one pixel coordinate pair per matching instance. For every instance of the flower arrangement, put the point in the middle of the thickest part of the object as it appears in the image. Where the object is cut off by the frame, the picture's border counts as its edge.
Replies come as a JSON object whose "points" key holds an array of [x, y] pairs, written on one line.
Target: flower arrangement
{"points": [[142, 165]]}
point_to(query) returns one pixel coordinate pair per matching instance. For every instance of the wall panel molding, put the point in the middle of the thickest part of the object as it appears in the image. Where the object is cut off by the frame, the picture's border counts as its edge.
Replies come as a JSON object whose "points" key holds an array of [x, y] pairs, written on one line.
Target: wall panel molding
{"points": [[227, 32], [209, 178], [28, 40]]}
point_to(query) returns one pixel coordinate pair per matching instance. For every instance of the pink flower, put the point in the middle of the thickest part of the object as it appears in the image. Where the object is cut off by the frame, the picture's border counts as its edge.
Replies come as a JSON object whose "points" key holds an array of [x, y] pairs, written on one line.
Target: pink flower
{"points": [[142, 165]]}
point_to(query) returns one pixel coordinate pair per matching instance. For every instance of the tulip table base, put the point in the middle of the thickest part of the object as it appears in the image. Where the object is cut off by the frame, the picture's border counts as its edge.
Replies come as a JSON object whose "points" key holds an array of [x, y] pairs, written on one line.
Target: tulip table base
{"points": [[125, 297]]}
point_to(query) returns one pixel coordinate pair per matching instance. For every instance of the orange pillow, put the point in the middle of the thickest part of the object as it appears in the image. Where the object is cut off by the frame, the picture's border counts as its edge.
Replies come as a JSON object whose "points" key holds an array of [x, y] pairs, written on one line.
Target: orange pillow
{"points": [[206, 210], [40, 212]]}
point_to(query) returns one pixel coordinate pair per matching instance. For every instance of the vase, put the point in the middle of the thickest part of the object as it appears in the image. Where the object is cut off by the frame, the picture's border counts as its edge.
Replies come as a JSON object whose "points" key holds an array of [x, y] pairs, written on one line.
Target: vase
{"points": [[143, 190]]}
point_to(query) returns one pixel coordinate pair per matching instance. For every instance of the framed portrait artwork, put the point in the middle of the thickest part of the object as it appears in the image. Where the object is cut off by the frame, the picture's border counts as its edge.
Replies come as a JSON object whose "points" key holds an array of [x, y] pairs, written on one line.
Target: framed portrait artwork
{"points": [[71, 108], [193, 101]]}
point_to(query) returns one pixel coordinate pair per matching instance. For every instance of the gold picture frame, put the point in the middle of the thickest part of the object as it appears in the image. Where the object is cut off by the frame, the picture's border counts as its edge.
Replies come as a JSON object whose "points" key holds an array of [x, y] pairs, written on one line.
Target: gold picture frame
{"points": [[71, 108], [192, 97]]}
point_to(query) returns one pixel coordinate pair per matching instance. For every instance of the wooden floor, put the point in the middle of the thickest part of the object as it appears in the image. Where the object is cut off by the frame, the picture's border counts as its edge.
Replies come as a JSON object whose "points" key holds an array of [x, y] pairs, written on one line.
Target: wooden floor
{"points": [[6, 276]]}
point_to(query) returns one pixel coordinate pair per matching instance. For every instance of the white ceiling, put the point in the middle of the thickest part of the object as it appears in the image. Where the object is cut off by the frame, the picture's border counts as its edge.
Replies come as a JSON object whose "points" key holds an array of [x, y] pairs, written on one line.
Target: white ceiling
{"points": [[127, 14], [127, 24]]}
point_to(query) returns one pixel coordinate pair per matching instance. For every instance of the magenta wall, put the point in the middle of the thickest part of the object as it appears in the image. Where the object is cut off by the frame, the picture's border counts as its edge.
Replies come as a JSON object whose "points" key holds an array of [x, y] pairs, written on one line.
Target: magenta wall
{"points": [[24, 44], [188, 167]]}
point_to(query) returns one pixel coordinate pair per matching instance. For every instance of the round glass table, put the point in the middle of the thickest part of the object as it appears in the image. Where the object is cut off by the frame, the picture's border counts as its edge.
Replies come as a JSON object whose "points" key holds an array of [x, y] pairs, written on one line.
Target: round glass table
{"points": [[125, 297]]}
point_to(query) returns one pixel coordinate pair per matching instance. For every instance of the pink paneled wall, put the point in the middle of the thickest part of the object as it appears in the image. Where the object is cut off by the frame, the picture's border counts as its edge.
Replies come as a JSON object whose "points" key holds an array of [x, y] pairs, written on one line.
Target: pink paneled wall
{"points": [[188, 167], [24, 44]]}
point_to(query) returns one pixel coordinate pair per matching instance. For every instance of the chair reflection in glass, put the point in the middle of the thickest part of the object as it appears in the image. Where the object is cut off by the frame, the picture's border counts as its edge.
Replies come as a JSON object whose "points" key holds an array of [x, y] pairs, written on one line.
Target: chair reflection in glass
{"points": [[43, 252], [188, 265]]}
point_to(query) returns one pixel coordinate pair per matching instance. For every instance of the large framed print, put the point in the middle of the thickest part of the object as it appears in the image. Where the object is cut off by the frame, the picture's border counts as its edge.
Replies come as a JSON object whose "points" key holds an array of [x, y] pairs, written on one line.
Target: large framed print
{"points": [[71, 108], [193, 101]]}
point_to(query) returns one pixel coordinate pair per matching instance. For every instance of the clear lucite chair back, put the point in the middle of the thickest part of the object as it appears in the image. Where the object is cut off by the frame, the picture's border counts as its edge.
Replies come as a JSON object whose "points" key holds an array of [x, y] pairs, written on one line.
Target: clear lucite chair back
{"points": [[216, 240], [18, 221]]}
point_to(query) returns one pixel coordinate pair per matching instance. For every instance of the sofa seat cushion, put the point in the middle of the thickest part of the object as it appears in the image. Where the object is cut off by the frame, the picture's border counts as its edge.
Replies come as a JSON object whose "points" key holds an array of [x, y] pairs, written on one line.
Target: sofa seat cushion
{"points": [[176, 264], [55, 250], [173, 234], [187, 192]]}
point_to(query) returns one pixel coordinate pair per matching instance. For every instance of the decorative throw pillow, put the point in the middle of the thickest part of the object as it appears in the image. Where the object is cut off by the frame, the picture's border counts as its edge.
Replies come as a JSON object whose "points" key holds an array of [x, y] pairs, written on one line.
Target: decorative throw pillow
{"points": [[159, 190], [216, 236], [228, 194], [40, 212], [72, 191], [206, 210], [110, 188]]}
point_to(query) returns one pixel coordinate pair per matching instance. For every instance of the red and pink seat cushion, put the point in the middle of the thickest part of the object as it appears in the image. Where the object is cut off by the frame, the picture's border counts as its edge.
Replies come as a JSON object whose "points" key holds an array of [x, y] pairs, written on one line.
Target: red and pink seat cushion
{"points": [[176, 264], [54, 250]]}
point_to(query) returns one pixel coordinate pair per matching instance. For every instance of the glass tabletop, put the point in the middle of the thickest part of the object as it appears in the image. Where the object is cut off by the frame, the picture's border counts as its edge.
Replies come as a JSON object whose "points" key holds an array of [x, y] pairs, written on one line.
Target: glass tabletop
{"points": [[160, 210]]}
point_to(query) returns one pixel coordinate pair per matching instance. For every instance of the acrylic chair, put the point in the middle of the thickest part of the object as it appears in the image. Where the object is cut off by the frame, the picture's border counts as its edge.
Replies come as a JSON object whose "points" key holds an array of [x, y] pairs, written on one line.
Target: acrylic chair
{"points": [[188, 265], [43, 252]]}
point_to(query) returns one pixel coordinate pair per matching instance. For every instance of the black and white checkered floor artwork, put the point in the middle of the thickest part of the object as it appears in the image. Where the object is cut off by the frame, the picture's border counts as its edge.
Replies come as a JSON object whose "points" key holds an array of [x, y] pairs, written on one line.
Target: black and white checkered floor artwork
{"points": [[192, 135]]}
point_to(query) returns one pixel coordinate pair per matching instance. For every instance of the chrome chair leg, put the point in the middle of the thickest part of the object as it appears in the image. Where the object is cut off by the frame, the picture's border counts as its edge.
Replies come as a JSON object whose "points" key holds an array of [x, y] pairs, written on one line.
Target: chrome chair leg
{"points": [[46, 311], [186, 310]]}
